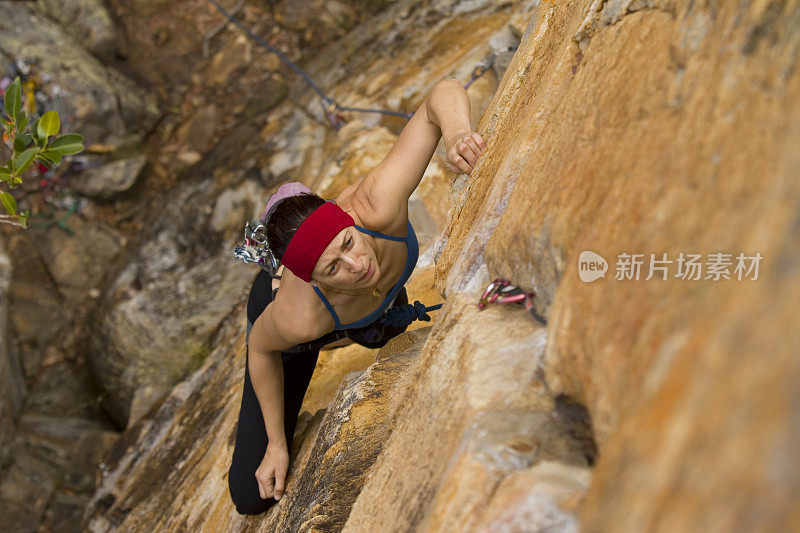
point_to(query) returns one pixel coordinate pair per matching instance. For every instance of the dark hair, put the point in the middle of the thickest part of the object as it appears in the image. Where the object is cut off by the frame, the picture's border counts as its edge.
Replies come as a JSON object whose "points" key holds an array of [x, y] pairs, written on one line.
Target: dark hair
{"points": [[286, 217]]}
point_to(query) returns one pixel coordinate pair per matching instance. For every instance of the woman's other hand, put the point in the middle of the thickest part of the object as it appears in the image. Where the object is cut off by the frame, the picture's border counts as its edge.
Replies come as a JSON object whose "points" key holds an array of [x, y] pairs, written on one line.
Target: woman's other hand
{"points": [[271, 474], [463, 150]]}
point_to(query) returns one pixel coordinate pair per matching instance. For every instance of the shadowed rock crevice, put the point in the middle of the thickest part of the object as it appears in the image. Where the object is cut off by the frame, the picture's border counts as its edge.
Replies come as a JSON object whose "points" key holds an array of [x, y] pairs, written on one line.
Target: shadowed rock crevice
{"points": [[577, 422]]}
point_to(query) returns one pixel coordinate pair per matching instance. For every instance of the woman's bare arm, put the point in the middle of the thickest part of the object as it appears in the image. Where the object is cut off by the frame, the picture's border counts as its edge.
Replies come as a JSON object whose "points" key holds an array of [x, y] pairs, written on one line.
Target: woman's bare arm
{"points": [[444, 113], [281, 325], [267, 338]]}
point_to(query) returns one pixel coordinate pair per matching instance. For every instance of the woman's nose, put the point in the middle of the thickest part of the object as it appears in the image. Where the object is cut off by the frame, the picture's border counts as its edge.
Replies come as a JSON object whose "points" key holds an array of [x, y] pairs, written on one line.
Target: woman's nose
{"points": [[354, 263]]}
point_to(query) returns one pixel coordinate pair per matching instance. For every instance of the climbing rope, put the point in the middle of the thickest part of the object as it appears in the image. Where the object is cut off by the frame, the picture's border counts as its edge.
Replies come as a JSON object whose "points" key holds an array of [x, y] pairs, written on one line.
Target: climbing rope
{"points": [[328, 103], [501, 291], [330, 107], [403, 315]]}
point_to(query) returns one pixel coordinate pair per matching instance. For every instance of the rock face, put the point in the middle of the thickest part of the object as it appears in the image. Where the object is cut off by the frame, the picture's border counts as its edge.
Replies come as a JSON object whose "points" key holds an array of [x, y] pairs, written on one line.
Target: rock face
{"points": [[88, 21], [165, 305], [654, 127], [100, 104], [13, 385], [618, 127], [109, 180]]}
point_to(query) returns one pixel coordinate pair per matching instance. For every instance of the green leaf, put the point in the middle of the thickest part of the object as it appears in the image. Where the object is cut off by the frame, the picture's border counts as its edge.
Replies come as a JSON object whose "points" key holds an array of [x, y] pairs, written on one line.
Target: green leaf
{"points": [[23, 218], [9, 203], [13, 99], [19, 145], [21, 163], [35, 132], [52, 156], [25, 138], [22, 121], [6, 124], [68, 144], [5, 173], [48, 125]]}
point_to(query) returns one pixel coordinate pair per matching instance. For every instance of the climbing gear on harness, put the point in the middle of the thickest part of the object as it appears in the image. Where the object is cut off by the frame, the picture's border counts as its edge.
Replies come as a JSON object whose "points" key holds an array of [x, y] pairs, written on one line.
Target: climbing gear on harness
{"points": [[500, 291], [403, 315], [256, 249]]}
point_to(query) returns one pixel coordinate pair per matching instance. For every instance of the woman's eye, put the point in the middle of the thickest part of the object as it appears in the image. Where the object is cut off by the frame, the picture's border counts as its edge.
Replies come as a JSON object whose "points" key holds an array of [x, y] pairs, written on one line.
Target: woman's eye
{"points": [[346, 245]]}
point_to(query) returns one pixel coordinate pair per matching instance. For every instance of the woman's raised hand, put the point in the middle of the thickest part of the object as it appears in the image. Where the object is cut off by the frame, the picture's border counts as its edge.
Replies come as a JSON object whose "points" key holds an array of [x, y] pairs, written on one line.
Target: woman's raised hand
{"points": [[463, 150], [271, 474]]}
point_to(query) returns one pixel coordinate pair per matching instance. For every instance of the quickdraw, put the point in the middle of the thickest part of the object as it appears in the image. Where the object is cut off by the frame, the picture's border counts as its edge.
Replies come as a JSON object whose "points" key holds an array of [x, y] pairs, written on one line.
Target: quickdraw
{"points": [[255, 248], [501, 291], [329, 108]]}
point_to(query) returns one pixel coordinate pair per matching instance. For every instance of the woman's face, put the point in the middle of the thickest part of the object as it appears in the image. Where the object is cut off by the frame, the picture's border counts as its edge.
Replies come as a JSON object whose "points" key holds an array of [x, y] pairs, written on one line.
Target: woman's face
{"points": [[348, 262]]}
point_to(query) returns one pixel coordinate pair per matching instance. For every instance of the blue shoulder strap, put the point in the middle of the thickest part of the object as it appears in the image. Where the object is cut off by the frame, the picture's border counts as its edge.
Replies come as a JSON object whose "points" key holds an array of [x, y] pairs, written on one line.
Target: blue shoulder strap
{"points": [[379, 234], [328, 305]]}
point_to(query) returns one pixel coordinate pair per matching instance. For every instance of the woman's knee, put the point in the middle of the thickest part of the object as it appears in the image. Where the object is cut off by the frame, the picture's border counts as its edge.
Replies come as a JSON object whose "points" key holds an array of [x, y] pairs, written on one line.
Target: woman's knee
{"points": [[254, 506], [245, 496]]}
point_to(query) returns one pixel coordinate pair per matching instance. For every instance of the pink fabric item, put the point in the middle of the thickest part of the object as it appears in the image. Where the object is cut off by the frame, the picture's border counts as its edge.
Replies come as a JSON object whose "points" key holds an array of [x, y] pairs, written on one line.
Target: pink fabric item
{"points": [[293, 188]]}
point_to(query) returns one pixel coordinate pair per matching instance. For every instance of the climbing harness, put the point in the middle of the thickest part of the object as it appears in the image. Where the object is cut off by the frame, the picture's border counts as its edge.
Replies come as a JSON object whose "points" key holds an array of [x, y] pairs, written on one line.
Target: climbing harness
{"points": [[330, 107], [501, 291]]}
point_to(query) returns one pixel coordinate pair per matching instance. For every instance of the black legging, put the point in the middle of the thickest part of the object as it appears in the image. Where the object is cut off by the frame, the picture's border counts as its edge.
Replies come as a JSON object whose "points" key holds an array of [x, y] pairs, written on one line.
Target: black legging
{"points": [[298, 367]]}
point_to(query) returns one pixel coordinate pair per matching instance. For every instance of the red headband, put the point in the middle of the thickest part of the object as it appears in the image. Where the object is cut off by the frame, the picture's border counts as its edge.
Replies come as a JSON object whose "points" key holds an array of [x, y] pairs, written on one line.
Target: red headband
{"points": [[312, 237]]}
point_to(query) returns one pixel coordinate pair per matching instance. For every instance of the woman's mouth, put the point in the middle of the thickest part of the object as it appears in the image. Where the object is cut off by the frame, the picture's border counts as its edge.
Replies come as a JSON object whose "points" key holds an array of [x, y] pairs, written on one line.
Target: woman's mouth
{"points": [[367, 274]]}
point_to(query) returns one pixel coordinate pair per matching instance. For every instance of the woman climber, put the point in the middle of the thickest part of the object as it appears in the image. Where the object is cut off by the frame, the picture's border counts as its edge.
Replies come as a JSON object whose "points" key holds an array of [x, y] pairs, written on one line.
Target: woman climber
{"points": [[344, 264]]}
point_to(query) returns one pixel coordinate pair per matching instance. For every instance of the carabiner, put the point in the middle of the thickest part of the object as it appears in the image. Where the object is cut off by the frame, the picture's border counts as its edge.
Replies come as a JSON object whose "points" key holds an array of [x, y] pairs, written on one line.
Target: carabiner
{"points": [[490, 294]]}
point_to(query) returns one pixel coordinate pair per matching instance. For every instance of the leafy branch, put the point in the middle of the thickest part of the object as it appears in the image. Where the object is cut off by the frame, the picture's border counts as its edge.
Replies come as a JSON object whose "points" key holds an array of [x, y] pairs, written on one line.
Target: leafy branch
{"points": [[30, 142]]}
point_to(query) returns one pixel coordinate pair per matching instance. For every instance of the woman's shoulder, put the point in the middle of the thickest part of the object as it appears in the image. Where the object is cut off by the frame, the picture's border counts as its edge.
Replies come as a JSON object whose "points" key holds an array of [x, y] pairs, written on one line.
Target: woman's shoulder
{"points": [[296, 310], [355, 202]]}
